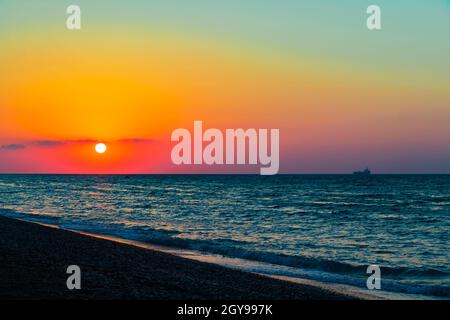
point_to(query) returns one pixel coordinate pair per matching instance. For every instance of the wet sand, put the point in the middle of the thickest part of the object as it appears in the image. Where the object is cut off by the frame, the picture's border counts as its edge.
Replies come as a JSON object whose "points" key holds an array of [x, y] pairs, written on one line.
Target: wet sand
{"points": [[34, 260]]}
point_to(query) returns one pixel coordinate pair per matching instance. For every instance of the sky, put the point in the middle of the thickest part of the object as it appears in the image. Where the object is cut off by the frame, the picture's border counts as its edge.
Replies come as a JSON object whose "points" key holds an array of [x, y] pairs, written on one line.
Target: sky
{"points": [[342, 96]]}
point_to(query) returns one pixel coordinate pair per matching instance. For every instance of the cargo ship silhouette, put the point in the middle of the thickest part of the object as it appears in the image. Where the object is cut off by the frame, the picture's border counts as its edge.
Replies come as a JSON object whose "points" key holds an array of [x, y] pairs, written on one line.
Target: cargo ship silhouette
{"points": [[364, 172]]}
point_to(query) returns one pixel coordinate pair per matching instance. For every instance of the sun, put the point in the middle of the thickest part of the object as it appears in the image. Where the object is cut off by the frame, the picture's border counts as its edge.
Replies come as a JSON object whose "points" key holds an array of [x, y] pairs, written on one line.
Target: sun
{"points": [[100, 148]]}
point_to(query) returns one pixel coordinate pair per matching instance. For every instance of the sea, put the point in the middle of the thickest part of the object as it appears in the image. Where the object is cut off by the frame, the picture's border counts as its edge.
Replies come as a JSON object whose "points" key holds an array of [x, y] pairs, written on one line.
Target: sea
{"points": [[326, 228]]}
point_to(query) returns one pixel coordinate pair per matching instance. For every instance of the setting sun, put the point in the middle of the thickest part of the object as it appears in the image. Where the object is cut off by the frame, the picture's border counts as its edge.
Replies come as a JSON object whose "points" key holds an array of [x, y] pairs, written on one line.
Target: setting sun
{"points": [[100, 148]]}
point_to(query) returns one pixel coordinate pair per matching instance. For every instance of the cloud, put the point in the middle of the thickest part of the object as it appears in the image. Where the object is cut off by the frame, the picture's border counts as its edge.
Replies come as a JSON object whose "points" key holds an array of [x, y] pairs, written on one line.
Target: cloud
{"points": [[59, 143], [14, 146], [81, 141], [138, 140], [49, 143]]}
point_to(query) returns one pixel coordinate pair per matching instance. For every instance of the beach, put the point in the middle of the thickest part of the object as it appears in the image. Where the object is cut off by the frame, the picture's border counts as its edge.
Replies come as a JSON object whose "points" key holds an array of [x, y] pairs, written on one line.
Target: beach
{"points": [[35, 259]]}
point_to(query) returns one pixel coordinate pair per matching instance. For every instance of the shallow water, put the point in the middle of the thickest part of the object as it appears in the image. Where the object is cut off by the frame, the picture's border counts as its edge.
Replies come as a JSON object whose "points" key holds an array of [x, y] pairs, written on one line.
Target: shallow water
{"points": [[322, 227]]}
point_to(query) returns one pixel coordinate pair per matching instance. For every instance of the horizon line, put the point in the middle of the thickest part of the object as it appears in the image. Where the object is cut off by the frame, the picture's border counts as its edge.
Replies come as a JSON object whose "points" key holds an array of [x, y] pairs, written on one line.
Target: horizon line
{"points": [[215, 174]]}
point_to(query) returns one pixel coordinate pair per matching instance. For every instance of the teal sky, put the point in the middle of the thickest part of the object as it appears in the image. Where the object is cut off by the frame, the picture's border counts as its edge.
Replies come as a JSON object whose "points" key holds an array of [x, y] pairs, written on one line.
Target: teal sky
{"points": [[415, 33], [309, 67]]}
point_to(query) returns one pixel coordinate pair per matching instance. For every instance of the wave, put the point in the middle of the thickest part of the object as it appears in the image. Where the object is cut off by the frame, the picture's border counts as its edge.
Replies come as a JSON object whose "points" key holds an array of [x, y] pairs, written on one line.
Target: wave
{"points": [[394, 278], [338, 272], [323, 270], [10, 213]]}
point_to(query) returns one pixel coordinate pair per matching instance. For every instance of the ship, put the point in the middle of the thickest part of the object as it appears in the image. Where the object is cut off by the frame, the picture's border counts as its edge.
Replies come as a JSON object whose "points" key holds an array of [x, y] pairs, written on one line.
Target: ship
{"points": [[364, 172]]}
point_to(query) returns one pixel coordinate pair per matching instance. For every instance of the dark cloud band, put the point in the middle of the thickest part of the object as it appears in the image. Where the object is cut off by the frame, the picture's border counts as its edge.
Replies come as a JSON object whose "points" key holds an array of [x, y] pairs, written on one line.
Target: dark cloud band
{"points": [[14, 146], [58, 143]]}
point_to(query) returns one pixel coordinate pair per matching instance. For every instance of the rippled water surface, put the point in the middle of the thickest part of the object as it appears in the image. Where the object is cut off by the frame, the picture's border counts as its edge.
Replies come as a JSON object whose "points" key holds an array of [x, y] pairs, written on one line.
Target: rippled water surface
{"points": [[333, 226]]}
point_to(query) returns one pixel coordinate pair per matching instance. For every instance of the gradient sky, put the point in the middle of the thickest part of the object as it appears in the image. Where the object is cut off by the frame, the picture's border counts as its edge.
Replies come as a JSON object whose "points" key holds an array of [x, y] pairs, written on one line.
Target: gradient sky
{"points": [[343, 97]]}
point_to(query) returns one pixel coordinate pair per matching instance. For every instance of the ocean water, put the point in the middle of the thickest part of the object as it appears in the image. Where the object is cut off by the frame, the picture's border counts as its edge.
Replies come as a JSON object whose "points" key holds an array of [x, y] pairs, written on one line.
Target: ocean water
{"points": [[321, 227]]}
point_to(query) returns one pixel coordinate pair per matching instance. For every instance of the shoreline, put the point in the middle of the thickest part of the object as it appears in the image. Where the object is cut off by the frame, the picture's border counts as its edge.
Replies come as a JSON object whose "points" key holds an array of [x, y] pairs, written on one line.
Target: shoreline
{"points": [[36, 256], [340, 289]]}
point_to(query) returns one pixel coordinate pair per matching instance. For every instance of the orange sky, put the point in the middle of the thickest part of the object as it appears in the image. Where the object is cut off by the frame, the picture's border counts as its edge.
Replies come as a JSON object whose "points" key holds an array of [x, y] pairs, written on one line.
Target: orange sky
{"points": [[336, 110]]}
